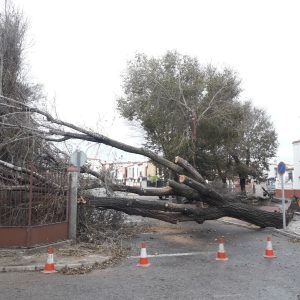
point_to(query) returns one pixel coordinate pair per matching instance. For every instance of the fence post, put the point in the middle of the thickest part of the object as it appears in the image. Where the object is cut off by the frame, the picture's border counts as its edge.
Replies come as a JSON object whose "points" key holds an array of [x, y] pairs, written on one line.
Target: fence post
{"points": [[73, 177]]}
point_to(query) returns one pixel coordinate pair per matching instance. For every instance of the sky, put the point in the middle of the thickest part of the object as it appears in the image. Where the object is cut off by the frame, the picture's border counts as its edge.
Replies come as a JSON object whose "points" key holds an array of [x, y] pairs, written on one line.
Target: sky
{"points": [[79, 50]]}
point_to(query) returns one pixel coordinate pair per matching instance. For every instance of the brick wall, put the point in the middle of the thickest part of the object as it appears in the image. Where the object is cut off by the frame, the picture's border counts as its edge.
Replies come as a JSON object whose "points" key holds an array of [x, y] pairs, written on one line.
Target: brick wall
{"points": [[287, 193]]}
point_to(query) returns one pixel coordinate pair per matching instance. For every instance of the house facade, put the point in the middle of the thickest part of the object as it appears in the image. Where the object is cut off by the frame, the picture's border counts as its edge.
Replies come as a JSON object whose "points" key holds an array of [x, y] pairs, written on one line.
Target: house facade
{"points": [[132, 173]]}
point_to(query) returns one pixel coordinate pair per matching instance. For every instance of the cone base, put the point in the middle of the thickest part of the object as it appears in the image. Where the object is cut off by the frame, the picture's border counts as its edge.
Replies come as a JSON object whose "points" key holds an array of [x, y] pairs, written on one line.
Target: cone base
{"points": [[222, 259], [143, 265], [48, 269], [270, 256], [49, 272]]}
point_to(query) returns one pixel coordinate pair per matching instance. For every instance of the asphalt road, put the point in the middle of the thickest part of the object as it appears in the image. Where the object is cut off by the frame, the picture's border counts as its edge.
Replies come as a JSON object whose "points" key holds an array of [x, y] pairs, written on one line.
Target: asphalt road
{"points": [[183, 267]]}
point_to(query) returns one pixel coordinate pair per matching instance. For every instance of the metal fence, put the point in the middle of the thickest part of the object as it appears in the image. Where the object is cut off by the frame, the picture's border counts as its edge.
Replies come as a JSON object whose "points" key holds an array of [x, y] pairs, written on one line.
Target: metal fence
{"points": [[34, 198]]}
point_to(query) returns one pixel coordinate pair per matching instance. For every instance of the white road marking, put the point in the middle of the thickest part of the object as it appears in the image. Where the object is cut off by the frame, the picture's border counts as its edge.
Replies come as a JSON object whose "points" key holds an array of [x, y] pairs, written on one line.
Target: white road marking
{"points": [[229, 295], [177, 254]]}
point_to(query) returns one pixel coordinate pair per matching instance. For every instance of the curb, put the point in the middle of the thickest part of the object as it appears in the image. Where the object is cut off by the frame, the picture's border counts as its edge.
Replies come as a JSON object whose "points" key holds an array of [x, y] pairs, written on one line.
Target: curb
{"points": [[280, 231], [287, 233], [21, 268], [239, 224], [40, 267]]}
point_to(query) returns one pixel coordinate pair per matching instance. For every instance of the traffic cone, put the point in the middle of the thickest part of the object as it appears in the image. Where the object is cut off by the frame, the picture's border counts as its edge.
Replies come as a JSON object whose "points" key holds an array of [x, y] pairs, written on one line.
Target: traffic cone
{"points": [[221, 255], [269, 253], [50, 266], [143, 262]]}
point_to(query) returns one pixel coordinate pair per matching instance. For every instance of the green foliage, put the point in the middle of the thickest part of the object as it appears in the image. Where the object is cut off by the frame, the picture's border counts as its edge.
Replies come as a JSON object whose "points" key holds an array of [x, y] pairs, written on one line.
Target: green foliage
{"points": [[153, 179], [194, 111], [255, 143], [163, 95]]}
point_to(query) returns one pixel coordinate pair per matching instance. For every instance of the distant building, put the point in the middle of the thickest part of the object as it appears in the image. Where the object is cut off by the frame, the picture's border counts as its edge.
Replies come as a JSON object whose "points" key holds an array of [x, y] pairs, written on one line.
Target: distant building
{"points": [[141, 174], [291, 176], [296, 147]]}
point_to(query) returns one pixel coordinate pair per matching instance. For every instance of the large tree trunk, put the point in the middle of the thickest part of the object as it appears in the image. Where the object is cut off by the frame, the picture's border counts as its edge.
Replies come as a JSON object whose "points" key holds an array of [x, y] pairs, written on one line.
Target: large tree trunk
{"points": [[220, 205], [172, 212], [175, 213]]}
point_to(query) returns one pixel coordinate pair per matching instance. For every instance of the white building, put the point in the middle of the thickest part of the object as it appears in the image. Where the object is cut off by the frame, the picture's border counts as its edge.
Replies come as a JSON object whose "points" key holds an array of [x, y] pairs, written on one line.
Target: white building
{"points": [[296, 175], [291, 177], [131, 173]]}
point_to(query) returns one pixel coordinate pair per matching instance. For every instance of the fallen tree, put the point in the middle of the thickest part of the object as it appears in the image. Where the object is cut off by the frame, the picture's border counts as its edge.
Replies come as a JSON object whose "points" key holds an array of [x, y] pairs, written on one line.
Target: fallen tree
{"points": [[189, 183], [219, 205]]}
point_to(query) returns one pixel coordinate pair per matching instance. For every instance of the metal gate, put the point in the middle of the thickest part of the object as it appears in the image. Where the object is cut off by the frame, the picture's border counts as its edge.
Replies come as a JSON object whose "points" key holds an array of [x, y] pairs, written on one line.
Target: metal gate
{"points": [[35, 211]]}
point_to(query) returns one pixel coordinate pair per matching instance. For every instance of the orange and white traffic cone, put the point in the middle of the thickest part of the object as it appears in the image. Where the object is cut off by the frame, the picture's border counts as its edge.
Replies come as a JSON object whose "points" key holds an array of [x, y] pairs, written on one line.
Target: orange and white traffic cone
{"points": [[50, 266], [269, 253], [221, 255], [143, 262]]}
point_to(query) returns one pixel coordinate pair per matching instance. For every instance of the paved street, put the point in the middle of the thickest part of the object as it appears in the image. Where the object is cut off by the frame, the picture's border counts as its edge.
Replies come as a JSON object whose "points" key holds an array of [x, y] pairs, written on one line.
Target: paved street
{"points": [[183, 267]]}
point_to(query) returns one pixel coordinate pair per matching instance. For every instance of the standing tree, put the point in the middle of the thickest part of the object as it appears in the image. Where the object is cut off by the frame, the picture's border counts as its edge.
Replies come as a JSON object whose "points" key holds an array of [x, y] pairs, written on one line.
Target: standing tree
{"points": [[194, 111], [169, 96], [255, 143], [212, 157], [240, 145]]}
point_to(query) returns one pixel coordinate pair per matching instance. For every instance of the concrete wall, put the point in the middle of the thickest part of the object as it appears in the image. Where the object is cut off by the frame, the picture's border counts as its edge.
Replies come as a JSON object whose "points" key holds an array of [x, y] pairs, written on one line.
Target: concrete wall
{"points": [[151, 170]]}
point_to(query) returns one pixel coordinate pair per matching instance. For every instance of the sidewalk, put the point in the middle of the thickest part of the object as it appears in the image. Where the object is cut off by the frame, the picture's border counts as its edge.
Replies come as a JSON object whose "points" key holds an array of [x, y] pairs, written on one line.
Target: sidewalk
{"points": [[65, 256], [294, 226], [292, 230]]}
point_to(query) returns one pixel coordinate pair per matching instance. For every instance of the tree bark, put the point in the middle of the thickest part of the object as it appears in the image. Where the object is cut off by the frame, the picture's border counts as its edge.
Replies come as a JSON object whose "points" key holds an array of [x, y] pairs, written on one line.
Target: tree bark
{"points": [[243, 184], [172, 211], [236, 210], [189, 169]]}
